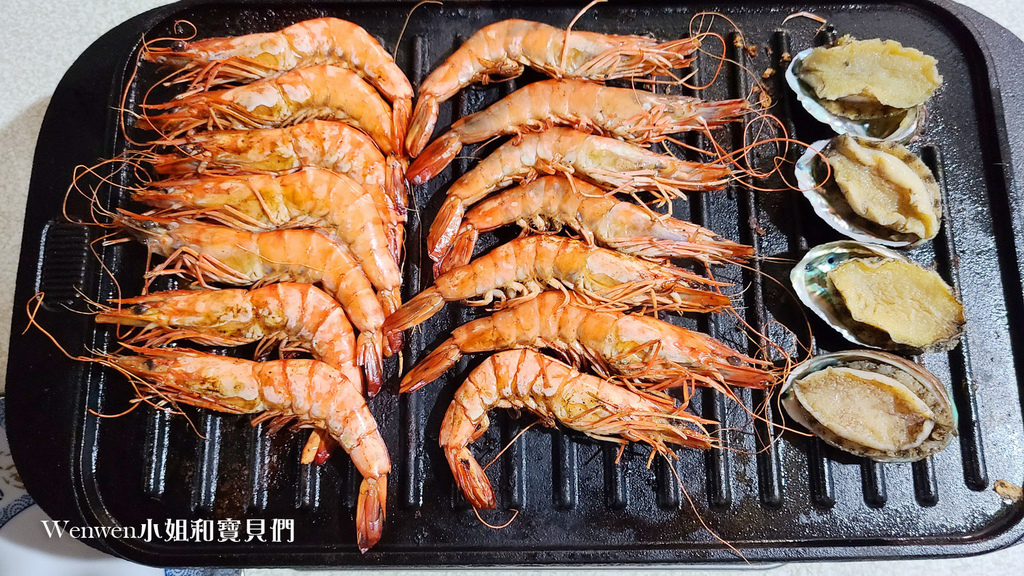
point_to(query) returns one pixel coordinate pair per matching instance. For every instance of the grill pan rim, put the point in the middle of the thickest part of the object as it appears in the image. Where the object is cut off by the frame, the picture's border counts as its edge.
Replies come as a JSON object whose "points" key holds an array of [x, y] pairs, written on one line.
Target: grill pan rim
{"points": [[1009, 531]]}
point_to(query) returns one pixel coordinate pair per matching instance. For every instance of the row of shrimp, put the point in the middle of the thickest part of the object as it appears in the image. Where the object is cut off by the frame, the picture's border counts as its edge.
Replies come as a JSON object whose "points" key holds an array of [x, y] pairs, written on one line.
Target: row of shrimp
{"points": [[575, 144], [280, 170], [276, 182]]}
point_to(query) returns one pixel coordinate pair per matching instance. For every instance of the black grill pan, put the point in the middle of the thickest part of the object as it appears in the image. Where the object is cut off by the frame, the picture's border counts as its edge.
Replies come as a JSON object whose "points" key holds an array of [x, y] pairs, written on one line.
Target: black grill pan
{"points": [[795, 499]]}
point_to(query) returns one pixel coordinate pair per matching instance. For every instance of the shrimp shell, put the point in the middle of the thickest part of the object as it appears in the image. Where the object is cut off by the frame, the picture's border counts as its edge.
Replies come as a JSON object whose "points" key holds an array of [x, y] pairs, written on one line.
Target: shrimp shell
{"points": [[309, 197], [298, 316], [555, 392], [524, 266], [311, 391], [212, 253], [635, 346], [628, 114], [214, 61], [504, 49], [607, 162], [323, 91], [598, 218]]}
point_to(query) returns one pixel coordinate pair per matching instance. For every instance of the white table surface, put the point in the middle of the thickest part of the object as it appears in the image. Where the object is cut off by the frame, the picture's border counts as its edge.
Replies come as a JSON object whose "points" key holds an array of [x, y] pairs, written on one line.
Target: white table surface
{"points": [[39, 41]]}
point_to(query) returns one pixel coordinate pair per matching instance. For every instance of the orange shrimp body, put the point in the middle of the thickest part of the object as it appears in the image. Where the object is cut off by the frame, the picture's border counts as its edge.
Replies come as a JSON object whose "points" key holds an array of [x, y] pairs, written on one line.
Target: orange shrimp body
{"points": [[612, 343], [525, 266], [333, 41], [553, 202], [213, 253], [318, 143], [555, 392], [607, 162], [298, 316], [628, 114], [322, 91], [309, 197], [313, 392], [504, 49]]}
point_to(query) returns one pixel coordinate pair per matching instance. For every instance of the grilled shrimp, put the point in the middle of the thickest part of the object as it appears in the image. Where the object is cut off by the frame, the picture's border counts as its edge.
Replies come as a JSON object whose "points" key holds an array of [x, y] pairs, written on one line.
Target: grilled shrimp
{"points": [[612, 343], [322, 91], [214, 61], [607, 162], [213, 253], [318, 143], [626, 113], [585, 209], [296, 316], [525, 266], [555, 392], [313, 392], [504, 49], [309, 197]]}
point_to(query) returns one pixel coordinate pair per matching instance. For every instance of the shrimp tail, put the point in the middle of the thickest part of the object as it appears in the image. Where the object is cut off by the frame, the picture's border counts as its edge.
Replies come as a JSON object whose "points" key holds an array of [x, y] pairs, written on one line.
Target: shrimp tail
{"points": [[324, 450], [401, 111], [461, 251], [471, 478], [370, 511], [442, 232], [415, 311], [369, 350], [390, 301], [422, 126], [435, 158], [394, 181], [430, 368], [318, 448], [312, 447]]}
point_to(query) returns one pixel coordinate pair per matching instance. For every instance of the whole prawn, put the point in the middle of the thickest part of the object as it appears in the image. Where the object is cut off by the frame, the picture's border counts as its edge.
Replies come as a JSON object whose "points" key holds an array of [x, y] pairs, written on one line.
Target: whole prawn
{"points": [[214, 61], [295, 316], [555, 392], [628, 114], [525, 266], [598, 218], [310, 391], [212, 253], [309, 197], [634, 346], [323, 91], [504, 49], [318, 143], [607, 162]]}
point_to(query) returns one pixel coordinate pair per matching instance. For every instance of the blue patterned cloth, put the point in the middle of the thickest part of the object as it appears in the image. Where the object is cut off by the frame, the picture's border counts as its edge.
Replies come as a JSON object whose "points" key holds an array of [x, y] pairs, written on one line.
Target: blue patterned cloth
{"points": [[13, 498]]}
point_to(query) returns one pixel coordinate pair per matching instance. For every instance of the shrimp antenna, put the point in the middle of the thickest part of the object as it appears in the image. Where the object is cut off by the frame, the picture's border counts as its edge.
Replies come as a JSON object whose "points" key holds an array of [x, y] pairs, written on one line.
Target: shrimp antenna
{"points": [[809, 16], [568, 30], [693, 507], [32, 309], [496, 527], [509, 445], [406, 24]]}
